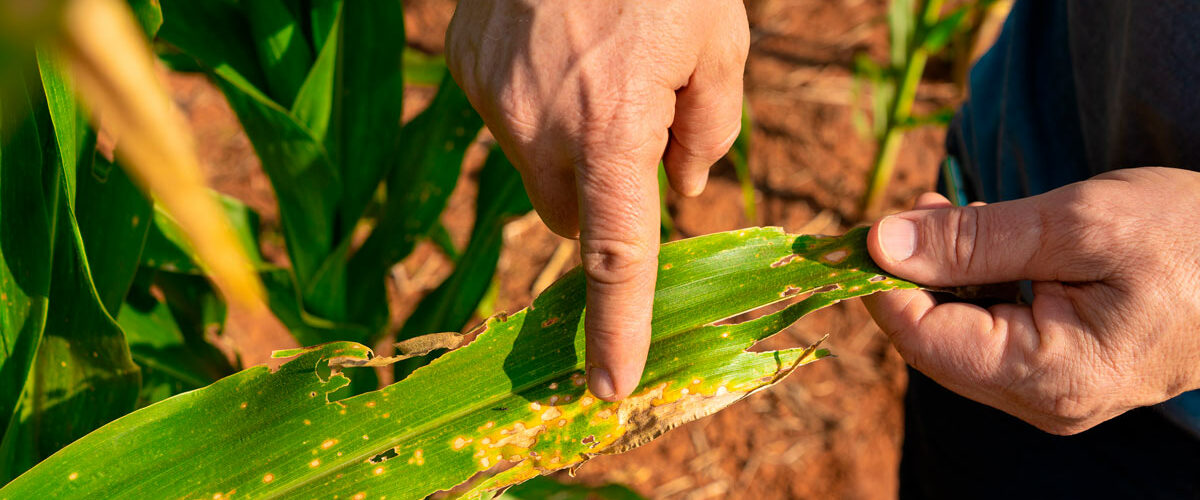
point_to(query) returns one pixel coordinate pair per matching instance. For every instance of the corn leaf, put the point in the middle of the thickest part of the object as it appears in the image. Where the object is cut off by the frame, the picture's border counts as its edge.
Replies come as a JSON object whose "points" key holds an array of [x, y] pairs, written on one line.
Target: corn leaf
{"points": [[448, 307], [367, 100], [283, 51], [167, 340], [167, 248], [417, 190], [81, 376], [514, 395], [113, 219], [26, 243], [305, 182]]}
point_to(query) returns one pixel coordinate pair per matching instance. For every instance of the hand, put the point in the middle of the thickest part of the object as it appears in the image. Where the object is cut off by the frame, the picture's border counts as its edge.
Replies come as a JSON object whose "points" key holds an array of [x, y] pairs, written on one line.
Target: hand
{"points": [[1113, 325], [584, 97]]}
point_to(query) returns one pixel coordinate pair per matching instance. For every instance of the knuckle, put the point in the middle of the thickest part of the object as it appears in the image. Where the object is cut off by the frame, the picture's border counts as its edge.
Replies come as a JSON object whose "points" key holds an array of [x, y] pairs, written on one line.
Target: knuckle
{"points": [[613, 336], [708, 151], [961, 228], [612, 261]]}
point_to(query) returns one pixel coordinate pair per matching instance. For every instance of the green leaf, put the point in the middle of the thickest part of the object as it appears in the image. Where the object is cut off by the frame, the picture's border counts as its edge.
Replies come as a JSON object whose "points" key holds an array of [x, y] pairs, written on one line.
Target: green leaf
{"points": [[666, 225], [167, 247], [314, 104], [283, 51], [173, 359], [215, 33], [113, 221], [739, 155], [441, 237], [939, 34], [73, 137], [27, 213], [902, 24], [148, 14], [515, 393], [417, 190], [449, 306], [322, 17], [367, 101], [83, 376], [421, 69], [306, 184]]}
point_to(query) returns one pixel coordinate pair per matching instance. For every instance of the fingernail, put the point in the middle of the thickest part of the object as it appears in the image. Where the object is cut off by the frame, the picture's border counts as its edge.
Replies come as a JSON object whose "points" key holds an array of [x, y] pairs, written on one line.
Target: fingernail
{"points": [[898, 237], [600, 382]]}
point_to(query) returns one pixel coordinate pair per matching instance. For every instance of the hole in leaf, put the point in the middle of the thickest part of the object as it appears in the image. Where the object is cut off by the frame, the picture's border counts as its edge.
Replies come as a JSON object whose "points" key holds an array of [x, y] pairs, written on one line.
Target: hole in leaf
{"points": [[388, 454]]}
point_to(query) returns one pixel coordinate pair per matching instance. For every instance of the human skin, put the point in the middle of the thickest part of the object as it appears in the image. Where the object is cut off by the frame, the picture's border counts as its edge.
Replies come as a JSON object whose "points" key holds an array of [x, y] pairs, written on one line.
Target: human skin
{"points": [[1115, 319], [585, 98]]}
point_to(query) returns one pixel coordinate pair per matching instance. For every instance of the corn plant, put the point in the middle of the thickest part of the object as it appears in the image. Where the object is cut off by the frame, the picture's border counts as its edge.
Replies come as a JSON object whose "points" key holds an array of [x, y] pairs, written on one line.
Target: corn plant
{"points": [[114, 277], [917, 29]]}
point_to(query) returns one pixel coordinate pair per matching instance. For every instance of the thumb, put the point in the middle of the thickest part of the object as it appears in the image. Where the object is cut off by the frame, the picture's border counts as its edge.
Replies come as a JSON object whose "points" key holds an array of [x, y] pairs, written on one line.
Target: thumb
{"points": [[975, 245]]}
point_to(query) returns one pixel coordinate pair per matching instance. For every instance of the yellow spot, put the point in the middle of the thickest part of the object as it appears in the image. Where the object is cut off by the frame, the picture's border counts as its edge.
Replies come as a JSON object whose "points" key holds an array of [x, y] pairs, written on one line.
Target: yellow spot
{"points": [[695, 381], [307, 422], [378, 470], [485, 441], [459, 442], [586, 401], [370, 404], [268, 478], [73, 476], [365, 437], [532, 406], [722, 390], [489, 425], [314, 463], [484, 462], [553, 385], [342, 411], [724, 335], [218, 496], [243, 405], [359, 496], [604, 414], [63, 364], [551, 414], [683, 391], [417, 458], [562, 423], [667, 266], [328, 444], [386, 415]]}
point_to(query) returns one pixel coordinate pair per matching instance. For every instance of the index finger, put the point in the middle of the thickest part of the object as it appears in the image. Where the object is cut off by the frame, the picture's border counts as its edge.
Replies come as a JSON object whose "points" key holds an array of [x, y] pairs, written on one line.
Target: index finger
{"points": [[619, 219]]}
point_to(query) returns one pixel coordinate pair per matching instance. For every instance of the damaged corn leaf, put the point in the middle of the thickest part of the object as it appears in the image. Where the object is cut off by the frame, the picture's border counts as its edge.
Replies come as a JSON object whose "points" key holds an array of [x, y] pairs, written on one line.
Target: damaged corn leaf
{"points": [[506, 407]]}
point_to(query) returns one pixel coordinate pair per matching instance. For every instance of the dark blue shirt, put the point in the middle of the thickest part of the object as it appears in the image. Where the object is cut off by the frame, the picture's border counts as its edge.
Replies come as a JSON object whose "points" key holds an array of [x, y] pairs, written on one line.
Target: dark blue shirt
{"points": [[1073, 88]]}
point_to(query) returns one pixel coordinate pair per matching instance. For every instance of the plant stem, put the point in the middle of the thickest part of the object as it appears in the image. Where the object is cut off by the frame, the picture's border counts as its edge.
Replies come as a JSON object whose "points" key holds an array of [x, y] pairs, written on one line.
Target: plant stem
{"points": [[889, 145]]}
